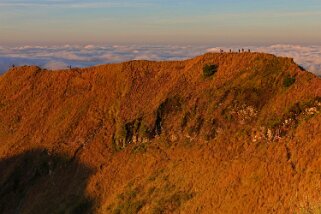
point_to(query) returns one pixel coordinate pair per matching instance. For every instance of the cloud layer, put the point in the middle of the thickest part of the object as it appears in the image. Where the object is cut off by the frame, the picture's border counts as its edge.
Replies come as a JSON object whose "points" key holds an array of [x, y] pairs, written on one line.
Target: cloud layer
{"points": [[307, 56], [60, 57]]}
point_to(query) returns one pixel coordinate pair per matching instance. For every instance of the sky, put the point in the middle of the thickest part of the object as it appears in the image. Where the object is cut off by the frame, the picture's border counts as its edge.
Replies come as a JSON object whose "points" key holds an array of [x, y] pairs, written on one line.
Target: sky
{"points": [[57, 33], [193, 22]]}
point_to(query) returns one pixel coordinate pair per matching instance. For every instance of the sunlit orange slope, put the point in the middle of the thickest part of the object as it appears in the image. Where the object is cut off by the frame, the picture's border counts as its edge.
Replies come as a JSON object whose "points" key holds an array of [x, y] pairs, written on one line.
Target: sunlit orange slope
{"points": [[160, 137]]}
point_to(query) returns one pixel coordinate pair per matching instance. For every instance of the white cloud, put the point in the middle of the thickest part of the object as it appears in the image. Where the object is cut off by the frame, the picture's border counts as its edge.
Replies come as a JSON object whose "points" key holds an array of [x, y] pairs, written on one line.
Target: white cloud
{"points": [[56, 65], [307, 56], [147, 56], [58, 57], [110, 57], [89, 46], [213, 50]]}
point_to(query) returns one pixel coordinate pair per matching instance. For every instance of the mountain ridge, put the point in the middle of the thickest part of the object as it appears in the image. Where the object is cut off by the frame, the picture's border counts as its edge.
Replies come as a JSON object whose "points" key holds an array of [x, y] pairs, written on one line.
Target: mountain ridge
{"points": [[174, 139]]}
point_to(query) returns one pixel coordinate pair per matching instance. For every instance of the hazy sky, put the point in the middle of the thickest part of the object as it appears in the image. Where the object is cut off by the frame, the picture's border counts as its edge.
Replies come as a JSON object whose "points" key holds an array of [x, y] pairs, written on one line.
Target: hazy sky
{"points": [[225, 22]]}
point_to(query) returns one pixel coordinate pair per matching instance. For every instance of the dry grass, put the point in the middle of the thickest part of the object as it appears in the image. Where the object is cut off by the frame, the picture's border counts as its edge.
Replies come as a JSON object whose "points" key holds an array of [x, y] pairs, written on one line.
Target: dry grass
{"points": [[195, 133]]}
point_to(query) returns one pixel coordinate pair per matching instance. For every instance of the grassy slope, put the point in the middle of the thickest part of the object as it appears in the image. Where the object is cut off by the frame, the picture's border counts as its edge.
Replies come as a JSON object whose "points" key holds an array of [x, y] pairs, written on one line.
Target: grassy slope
{"points": [[158, 136]]}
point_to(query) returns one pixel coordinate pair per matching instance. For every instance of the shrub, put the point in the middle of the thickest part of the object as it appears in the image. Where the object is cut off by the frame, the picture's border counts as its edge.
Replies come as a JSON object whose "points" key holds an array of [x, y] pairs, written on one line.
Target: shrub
{"points": [[209, 70], [144, 130], [301, 68], [141, 148], [128, 202], [288, 81], [170, 203], [121, 131]]}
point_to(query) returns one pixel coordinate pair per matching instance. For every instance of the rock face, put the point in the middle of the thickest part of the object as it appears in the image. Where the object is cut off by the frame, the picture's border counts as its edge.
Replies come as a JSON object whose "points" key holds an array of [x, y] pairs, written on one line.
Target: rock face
{"points": [[161, 137]]}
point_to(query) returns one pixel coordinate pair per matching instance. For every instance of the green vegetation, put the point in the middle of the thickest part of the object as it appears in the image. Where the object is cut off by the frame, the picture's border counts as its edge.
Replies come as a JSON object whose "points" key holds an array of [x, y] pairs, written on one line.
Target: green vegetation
{"points": [[172, 202], [186, 118], [296, 113], [250, 96], [157, 193], [226, 114], [274, 122], [131, 132], [288, 81], [128, 203], [115, 146], [209, 70], [310, 210], [141, 148], [121, 131], [211, 126], [144, 130], [156, 174], [197, 126], [119, 137]]}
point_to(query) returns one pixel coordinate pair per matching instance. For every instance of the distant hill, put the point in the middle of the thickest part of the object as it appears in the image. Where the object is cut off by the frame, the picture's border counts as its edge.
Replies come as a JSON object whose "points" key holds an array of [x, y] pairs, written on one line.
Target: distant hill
{"points": [[219, 133]]}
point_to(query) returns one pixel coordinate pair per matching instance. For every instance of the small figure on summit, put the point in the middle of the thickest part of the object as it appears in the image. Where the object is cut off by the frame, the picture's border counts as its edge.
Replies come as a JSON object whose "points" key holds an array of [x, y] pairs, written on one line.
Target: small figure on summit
{"points": [[13, 65]]}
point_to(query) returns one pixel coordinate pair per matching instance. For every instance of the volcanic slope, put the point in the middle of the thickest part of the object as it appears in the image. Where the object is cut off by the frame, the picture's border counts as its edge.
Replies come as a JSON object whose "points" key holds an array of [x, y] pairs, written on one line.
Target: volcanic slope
{"points": [[162, 137]]}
